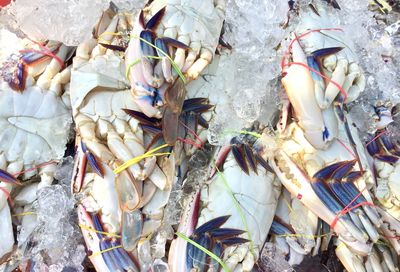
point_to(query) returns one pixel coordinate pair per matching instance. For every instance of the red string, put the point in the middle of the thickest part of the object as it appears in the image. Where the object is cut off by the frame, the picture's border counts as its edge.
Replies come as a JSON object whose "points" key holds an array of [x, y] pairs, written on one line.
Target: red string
{"points": [[323, 76], [34, 168], [45, 51], [348, 149], [7, 193], [190, 142], [287, 53], [376, 137], [193, 133], [348, 208]]}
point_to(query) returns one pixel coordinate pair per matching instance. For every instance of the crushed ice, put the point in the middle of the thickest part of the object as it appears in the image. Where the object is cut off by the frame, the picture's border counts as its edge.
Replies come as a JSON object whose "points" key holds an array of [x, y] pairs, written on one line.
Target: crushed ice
{"points": [[56, 243]]}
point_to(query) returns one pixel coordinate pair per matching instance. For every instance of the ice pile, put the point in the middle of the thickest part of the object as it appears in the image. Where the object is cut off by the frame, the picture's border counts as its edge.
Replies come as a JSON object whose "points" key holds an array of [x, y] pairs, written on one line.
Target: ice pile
{"points": [[57, 243], [273, 260], [241, 84], [69, 21], [377, 46]]}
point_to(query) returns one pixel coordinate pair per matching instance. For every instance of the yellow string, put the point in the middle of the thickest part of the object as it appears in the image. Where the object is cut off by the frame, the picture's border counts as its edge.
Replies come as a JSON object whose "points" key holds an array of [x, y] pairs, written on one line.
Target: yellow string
{"points": [[98, 231], [341, 245], [303, 235], [104, 251], [135, 160], [107, 33], [288, 204], [23, 214], [128, 69], [136, 62]]}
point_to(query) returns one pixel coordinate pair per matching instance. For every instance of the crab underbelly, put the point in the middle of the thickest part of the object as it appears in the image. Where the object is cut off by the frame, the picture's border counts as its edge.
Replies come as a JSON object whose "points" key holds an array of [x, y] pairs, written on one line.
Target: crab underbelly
{"points": [[255, 195]]}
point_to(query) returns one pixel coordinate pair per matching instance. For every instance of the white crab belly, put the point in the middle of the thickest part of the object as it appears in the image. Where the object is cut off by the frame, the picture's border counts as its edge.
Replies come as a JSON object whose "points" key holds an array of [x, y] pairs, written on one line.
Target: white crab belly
{"points": [[256, 194], [35, 125]]}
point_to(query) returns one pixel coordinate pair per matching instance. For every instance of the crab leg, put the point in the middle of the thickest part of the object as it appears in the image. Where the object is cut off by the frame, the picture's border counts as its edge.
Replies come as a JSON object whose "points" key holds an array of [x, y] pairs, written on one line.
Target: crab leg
{"points": [[299, 87], [302, 188]]}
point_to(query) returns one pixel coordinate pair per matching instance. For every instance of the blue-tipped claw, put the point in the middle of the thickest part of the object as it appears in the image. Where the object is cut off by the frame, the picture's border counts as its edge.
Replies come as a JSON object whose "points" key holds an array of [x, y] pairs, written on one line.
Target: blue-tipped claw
{"points": [[343, 170], [212, 224], [213, 238], [155, 20], [143, 118], [324, 195], [313, 63], [92, 161], [353, 176], [250, 158], [386, 158], [226, 232], [324, 52], [327, 172], [8, 178], [238, 153], [147, 49], [373, 147], [389, 145]]}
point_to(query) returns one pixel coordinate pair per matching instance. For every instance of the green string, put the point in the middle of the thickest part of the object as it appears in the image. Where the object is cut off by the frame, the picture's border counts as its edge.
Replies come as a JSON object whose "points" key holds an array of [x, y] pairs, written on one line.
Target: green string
{"points": [[206, 251], [239, 209], [174, 65]]}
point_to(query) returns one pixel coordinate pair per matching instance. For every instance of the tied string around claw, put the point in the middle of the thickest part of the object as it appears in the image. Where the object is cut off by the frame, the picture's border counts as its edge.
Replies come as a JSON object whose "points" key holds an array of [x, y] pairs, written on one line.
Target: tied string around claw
{"points": [[197, 142], [44, 51], [376, 137], [130, 65], [135, 160], [286, 63], [15, 175], [349, 207]]}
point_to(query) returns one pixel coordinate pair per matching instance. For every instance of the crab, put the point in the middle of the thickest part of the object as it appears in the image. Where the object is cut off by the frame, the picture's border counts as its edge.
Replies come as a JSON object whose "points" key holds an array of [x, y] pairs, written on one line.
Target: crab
{"points": [[385, 156], [231, 214], [180, 34], [380, 258], [35, 121], [294, 228], [316, 155], [127, 201], [324, 67]]}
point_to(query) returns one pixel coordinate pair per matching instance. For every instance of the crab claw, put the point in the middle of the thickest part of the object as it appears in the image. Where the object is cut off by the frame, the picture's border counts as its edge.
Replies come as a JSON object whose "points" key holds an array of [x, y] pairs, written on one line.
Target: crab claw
{"points": [[343, 197], [92, 160], [106, 253], [31, 62], [389, 145], [92, 239], [374, 149], [8, 178], [299, 185], [211, 236], [299, 86], [281, 230]]}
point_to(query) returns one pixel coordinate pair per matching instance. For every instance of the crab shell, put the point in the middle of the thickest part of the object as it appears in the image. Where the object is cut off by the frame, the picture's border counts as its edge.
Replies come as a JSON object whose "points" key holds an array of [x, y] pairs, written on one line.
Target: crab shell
{"points": [[296, 159], [36, 123], [257, 196]]}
